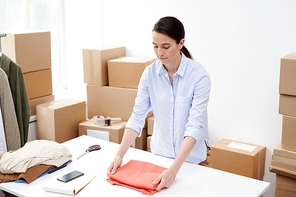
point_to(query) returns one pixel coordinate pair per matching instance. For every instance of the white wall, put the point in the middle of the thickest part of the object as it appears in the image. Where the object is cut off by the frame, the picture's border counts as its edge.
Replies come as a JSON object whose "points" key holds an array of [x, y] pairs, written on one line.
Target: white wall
{"points": [[82, 27], [240, 43]]}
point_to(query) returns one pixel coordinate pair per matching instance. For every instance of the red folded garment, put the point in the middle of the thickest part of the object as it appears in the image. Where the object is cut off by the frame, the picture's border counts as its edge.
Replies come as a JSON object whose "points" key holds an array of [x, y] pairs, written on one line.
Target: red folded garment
{"points": [[137, 175]]}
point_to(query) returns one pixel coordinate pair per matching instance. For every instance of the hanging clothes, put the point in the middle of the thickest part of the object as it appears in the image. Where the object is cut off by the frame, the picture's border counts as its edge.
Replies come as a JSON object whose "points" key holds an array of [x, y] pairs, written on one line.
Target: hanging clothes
{"points": [[19, 95], [10, 124]]}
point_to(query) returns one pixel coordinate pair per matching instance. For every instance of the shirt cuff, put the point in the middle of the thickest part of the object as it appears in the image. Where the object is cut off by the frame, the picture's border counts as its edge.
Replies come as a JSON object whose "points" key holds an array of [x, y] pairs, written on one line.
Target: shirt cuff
{"points": [[196, 133], [134, 126]]}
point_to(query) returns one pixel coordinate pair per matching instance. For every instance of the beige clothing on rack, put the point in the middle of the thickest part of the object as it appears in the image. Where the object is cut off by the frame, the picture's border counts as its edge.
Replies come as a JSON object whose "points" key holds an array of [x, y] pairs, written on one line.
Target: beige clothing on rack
{"points": [[8, 114]]}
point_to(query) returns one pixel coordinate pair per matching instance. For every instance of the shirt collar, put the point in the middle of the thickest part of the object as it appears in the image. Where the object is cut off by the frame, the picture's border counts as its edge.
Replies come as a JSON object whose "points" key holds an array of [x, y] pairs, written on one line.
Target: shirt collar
{"points": [[181, 69]]}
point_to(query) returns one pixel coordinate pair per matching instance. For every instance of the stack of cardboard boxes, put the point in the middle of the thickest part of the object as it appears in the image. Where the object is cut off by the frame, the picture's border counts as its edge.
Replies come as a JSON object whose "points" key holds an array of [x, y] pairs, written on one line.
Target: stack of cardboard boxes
{"points": [[31, 50], [284, 155], [56, 120], [112, 80]]}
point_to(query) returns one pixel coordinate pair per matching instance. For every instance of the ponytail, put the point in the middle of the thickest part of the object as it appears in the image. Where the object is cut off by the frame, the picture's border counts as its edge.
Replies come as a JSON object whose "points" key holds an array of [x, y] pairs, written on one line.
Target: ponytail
{"points": [[185, 51]]}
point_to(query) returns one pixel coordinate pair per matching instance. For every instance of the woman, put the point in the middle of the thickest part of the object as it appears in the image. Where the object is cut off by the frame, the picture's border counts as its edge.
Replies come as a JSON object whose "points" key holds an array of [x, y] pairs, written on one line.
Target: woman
{"points": [[177, 89]]}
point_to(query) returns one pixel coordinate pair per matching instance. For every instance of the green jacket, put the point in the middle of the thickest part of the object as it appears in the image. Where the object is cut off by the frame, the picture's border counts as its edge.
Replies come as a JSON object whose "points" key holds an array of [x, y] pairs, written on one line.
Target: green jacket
{"points": [[19, 94]]}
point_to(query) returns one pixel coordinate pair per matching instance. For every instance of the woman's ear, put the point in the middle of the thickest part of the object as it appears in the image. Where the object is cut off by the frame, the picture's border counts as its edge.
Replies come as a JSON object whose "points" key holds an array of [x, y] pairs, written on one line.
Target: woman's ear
{"points": [[181, 43]]}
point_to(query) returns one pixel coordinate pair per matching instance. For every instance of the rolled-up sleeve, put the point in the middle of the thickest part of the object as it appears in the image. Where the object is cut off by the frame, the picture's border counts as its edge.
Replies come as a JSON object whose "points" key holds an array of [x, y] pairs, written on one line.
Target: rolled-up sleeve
{"points": [[197, 120], [142, 106]]}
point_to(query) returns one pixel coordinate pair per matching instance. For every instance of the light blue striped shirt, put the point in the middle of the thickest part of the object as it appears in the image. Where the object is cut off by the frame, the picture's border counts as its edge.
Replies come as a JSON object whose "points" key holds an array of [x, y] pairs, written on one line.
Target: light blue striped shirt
{"points": [[180, 109]]}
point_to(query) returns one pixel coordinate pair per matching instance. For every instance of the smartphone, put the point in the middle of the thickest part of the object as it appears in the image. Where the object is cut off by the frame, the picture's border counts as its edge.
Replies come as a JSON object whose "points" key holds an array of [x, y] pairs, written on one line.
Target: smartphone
{"points": [[70, 176]]}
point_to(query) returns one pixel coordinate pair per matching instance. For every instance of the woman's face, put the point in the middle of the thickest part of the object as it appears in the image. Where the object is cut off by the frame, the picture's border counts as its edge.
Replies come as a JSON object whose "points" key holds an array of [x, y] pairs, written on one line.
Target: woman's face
{"points": [[166, 49]]}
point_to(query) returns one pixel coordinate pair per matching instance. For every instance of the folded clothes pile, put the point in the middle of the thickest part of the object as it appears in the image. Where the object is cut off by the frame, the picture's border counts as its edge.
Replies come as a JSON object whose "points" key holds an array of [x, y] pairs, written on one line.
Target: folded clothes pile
{"points": [[137, 175], [32, 160]]}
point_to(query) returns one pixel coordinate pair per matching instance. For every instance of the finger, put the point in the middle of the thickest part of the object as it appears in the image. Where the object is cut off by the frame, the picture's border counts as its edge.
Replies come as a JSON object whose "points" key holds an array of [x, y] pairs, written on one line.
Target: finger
{"points": [[114, 167], [157, 180], [113, 170], [159, 187], [110, 168]]}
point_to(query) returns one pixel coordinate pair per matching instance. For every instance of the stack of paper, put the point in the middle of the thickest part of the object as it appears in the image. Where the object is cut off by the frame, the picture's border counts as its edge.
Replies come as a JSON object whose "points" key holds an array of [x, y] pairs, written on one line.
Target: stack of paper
{"points": [[70, 188]]}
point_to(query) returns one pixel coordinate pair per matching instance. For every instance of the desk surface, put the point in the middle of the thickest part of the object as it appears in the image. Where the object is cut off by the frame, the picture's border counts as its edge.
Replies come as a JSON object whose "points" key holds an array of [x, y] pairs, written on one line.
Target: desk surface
{"points": [[192, 180]]}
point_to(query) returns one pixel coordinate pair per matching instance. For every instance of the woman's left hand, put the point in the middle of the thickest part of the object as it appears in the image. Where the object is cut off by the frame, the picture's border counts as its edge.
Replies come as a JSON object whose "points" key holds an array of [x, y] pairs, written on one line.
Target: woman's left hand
{"points": [[165, 180]]}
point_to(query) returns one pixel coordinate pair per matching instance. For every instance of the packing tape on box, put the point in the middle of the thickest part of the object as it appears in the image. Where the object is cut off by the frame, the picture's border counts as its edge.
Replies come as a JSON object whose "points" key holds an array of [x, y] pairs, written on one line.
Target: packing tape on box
{"points": [[224, 142], [96, 117], [91, 66], [259, 165], [242, 146], [100, 120]]}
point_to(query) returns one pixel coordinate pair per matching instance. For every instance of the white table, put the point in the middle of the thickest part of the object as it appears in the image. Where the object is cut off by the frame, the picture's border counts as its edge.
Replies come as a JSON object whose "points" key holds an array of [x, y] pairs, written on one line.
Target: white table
{"points": [[192, 180]]}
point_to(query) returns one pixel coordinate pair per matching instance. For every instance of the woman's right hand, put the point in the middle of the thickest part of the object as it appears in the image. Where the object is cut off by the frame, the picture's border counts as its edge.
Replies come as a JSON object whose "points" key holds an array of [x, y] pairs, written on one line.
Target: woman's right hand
{"points": [[128, 137], [116, 163]]}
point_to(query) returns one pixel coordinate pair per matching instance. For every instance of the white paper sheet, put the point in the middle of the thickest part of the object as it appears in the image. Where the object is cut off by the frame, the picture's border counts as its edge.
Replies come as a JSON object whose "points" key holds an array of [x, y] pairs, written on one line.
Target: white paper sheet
{"points": [[242, 146], [70, 188], [103, 135]]}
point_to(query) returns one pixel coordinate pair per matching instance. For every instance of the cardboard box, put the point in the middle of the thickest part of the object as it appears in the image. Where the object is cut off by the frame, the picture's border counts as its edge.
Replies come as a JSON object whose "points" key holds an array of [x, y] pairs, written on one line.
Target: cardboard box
{"points": [[278, 162], [149, 115], [279, 150], [238, 157], [110, 101], [95, 63], [148, 143], [59, 120], [141, 142], [285, 186], [31, 50], [114, 132], [38, 83], [287, 105], [151, 125], [282, 171], [125, 72], [283, 162], [40, 100], [289, 133], [287, 83]]}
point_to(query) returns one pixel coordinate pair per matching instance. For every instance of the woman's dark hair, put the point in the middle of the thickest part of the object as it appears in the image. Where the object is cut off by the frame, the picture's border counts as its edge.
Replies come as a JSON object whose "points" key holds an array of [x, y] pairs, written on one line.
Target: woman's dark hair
{"points": [[173, 28]]}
